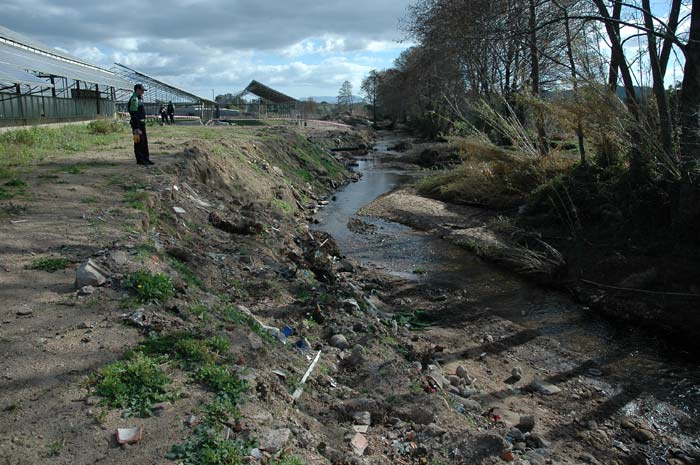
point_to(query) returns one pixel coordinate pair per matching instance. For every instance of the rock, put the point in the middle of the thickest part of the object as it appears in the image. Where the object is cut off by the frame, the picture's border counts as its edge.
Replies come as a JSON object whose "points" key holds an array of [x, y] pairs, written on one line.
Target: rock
{"points": [[627, 424], [87, 290], [357, 357], [339, 341], [526, 423], [588, 458], [275, 440], [536, 441], [351, 304], [418, 415], [454, 380], [545, 388], [535, 459], [24, 311], [470, 405], [643, 435], [516, 374], [344, 266], [462, 373], [362, 418], [359, 444], [119, 257], [89, 274], [516, 435]]}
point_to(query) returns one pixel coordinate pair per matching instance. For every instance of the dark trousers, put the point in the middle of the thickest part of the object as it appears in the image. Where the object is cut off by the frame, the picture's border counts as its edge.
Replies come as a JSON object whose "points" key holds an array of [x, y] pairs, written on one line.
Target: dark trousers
{"points": [[163, 119], [172, 118], [141, 149]]}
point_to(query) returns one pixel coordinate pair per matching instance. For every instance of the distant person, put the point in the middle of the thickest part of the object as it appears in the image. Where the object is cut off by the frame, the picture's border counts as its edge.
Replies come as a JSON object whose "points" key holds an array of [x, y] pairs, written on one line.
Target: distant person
{"points": [[163, 115], [138, 126], [171, 112]]}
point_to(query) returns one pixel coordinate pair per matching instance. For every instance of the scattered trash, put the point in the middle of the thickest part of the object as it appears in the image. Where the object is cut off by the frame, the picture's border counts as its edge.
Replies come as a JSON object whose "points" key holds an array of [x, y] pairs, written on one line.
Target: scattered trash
{"points": [[300, 390], [281, 374], [359, 444], [179, 210], [136, 318], [360, 428], [303, 345], [129, 435], [287, 331]]}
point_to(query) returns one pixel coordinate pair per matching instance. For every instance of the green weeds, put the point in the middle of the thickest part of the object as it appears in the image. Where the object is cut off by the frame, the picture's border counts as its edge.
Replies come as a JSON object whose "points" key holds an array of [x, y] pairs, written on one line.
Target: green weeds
{"points": [[50, 265], [134, 384], [150, 287]]}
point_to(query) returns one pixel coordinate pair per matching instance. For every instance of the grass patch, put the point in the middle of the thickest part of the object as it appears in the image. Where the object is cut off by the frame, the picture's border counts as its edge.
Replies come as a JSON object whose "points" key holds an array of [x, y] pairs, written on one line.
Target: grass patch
{"points": [[16, 182], [137, 199], [416, 320], [282, 206], [134, 385], [234, 315], [185, 272], [105, 126], [50, 264], [188, 349], [150, 287], [54, 448], [207, 446], [73, 169], [221, 380]]}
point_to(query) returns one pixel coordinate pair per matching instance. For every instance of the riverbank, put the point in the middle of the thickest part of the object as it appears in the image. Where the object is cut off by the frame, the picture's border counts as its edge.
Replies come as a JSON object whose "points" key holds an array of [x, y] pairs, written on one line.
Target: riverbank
{"points": [[207, 299]]}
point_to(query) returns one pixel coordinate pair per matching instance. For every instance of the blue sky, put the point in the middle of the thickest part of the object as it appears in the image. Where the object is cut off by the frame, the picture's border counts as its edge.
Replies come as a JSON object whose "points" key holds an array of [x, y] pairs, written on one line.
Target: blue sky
{"points": [[302, 47]]}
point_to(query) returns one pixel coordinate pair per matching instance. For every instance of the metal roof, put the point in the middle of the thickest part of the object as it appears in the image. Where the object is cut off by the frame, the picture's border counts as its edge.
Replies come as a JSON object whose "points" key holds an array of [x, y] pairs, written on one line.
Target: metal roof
{"points": [[28, 55], [10, 74], [152, 84], [267, 93]]}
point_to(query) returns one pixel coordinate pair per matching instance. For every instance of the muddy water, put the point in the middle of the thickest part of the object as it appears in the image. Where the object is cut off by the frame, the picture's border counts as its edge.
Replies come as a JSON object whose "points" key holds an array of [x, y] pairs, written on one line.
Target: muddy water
{"points": [[629, 359]]}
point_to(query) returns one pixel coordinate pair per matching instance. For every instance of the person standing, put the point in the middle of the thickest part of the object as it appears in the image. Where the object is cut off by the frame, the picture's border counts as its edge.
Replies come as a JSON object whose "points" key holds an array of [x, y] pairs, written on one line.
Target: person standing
{"points": [[163, 115], [171, 112], [138, 126]]}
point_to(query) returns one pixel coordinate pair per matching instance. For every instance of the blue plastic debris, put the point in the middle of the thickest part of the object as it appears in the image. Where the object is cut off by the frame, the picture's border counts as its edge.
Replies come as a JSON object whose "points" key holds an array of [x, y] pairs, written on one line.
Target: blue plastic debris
{"points": [[287, 331], [303, 345]]}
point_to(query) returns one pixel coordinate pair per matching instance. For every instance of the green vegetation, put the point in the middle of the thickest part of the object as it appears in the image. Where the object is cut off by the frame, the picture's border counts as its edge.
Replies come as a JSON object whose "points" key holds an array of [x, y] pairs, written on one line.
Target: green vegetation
{"points": [[234, 315], [185, 272], [134, 384], [106, 126], [221, 380], [189, 350], [416, 320], [206, 446], [137, 199], [282, 206], [54, 448], [150, 287], [50, 264], [19, 148]]}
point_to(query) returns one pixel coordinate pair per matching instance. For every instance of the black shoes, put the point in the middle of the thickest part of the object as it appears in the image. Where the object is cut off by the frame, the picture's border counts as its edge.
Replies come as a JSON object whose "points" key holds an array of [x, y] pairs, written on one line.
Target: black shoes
{"points": [[147, 162]]}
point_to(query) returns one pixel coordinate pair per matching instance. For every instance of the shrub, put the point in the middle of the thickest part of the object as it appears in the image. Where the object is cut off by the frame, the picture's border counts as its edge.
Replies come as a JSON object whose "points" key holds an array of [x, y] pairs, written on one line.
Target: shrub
{"points": [[134, 384], [221, 380], [150, 287], [104, 126]]}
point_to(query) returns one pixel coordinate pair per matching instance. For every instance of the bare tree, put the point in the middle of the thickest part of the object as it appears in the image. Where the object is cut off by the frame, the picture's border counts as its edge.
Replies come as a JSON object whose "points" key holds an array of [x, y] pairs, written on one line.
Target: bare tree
{"points": [[345, 98]]}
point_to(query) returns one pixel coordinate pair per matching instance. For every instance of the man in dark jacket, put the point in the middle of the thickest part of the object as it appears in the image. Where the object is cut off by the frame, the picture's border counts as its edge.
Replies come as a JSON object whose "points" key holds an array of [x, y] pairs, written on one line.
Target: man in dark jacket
{"points": [[138, 125], [171, 112]]}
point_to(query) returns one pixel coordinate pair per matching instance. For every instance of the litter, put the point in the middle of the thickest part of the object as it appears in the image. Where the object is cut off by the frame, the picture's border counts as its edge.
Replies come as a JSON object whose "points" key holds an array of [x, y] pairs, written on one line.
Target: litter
{"points": [[300, 390], [129, 435]]}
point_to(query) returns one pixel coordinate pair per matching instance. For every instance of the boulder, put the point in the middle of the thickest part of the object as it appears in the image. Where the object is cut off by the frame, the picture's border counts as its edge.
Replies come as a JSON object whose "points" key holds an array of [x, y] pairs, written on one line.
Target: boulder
{"points": [[90, 274], [275, 440]]}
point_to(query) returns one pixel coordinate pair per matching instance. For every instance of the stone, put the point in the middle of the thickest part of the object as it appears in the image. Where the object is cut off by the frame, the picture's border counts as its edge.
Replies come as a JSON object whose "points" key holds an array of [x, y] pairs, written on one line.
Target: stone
{"points": [[120, 257], [643, 435], [275, 440], [339, 341], [87, 290], [89, 274], [536, 441], [359, 444], [362, 418], [588, 458], [24, 311], [344, 266], [462, 372], [516, 373], [536, 459], [470, 405], [526, 423], [418, 415], [516, 435], [545, 388], [357, 357], [454, 380]]}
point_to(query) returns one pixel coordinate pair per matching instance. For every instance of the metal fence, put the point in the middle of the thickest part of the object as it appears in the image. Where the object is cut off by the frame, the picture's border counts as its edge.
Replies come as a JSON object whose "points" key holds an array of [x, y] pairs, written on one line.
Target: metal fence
{"points": [[20, 110]]}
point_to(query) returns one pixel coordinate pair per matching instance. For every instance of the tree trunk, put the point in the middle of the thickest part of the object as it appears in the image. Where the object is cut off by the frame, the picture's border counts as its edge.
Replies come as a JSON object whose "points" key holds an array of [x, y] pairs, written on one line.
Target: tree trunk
{"points": [[658, 82], [614, 57], [689, 197], [535, 78], [668, 42]]}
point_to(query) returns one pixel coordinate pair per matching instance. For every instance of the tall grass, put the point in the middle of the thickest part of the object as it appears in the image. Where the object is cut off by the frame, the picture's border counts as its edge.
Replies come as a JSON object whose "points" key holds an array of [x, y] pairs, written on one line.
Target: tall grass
{"points": [[492, 176], [19, 148]]}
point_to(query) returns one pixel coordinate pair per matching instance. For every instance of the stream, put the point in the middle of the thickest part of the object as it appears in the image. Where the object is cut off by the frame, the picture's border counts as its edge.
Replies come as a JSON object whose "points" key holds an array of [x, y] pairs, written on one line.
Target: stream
{"points": [[629, 357]]}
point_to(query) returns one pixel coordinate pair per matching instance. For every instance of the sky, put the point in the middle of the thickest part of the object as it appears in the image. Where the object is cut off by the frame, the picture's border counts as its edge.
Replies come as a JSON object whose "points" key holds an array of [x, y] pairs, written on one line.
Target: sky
{"points": [[301, 47]]}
